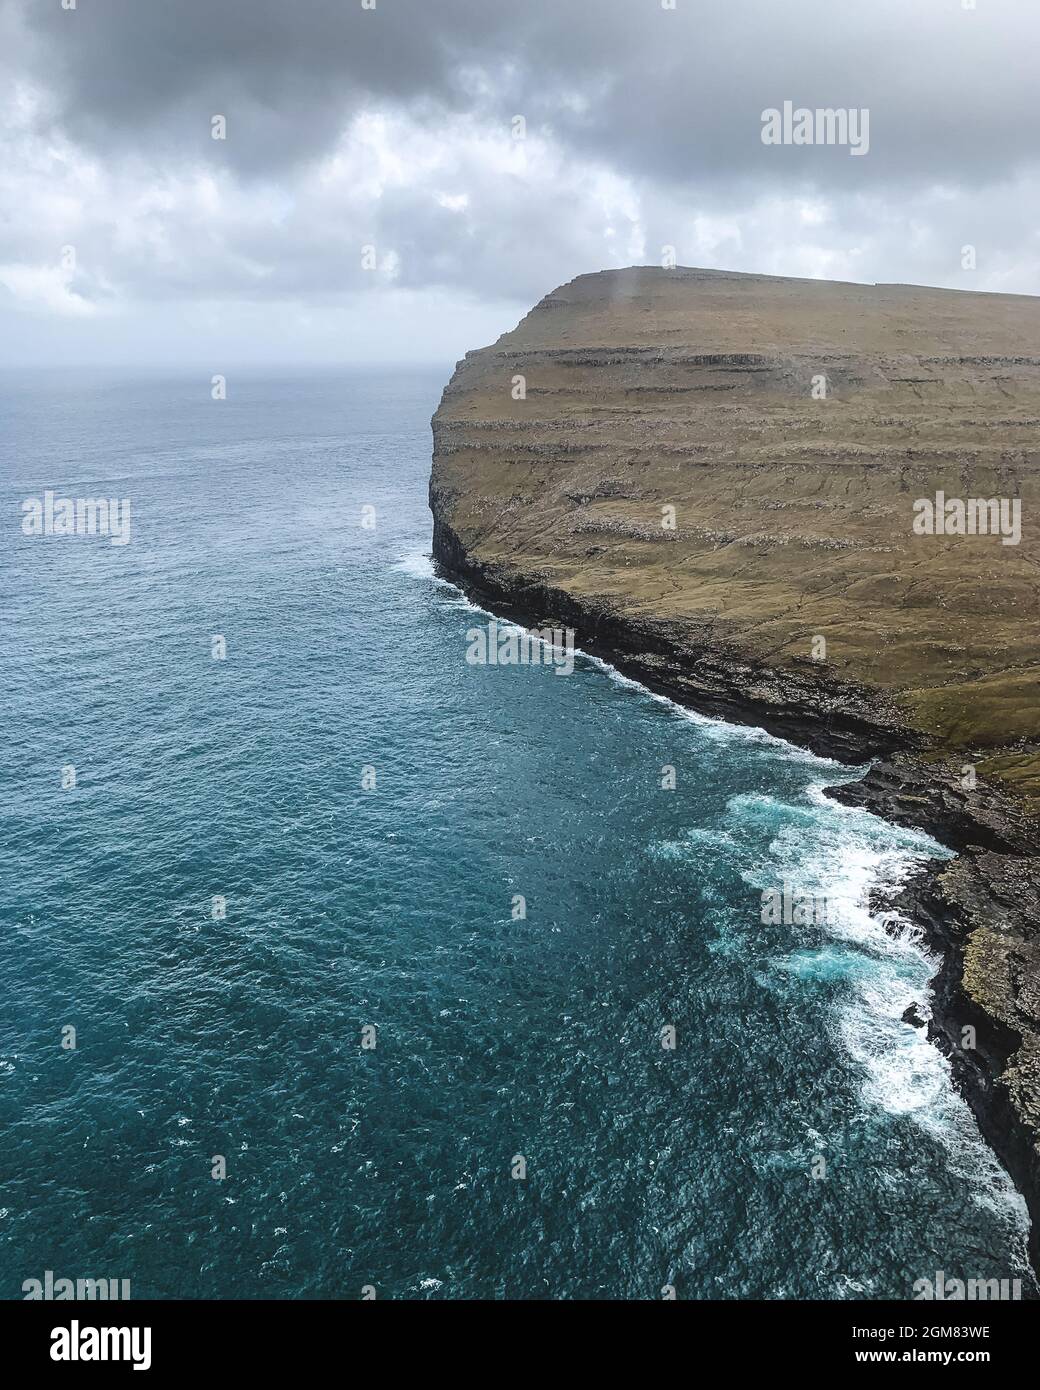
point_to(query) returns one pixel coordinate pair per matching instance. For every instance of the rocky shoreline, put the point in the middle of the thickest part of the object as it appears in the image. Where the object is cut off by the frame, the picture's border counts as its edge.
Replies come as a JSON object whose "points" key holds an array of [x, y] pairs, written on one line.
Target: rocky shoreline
{"points": [[714, 478], [978, 912]]}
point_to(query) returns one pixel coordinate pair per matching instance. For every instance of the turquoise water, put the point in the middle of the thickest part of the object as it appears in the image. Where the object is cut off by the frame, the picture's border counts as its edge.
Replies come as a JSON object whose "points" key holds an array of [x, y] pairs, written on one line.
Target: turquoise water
{"points": [[391, 907]]}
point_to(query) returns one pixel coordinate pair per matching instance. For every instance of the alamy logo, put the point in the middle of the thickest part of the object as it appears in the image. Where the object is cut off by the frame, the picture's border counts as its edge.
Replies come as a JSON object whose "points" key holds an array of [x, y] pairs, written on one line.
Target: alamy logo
{"points": [[49, 1288], [789, 906], [804, 125], [507, 645], [77, 516], [960, 1290], [79, 1343], [974, 516]]}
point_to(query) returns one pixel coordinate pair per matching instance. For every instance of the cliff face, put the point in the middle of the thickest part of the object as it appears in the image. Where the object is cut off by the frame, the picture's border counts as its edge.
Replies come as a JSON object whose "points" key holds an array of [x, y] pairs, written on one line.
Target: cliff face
{"points": [[712, 478]]}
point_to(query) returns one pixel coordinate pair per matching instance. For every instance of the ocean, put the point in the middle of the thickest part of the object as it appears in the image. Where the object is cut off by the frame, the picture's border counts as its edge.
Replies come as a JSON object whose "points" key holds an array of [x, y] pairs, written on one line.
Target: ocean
{"points": [[393, 974]]}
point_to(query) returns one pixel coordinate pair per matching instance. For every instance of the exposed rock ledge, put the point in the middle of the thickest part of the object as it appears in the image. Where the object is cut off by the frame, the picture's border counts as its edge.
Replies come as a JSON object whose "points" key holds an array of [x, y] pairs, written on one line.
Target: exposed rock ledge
{"points": [[648, 389]]}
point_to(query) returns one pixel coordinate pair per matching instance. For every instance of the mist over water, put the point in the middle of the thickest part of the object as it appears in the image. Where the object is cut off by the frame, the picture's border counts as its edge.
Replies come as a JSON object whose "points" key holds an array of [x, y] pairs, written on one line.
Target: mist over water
{"points": [[391, 907]]}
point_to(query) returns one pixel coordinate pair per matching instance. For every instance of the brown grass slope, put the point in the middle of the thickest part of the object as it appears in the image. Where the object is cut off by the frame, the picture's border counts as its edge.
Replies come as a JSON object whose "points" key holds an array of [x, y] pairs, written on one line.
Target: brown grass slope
{"points": [[689, 388]]}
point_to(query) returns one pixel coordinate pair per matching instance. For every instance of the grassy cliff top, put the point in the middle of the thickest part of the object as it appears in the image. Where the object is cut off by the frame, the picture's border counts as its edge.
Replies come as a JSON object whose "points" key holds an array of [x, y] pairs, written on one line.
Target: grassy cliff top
{"points": [[740, 455]]}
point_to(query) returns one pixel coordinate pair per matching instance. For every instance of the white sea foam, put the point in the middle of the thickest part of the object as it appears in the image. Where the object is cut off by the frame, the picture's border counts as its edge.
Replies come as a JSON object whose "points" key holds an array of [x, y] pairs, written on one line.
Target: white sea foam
{"points": [[417, 563], [847, 855]]}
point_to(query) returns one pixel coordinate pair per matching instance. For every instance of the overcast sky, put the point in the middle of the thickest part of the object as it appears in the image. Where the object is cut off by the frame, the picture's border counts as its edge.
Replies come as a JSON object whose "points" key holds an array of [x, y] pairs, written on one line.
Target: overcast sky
{"points": [[394, 128]]}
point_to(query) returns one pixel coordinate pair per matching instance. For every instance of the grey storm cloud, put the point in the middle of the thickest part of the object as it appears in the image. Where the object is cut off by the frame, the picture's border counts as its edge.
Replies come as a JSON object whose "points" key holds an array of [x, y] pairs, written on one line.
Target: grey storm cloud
{"points": [[658, 92], [388, 131]]}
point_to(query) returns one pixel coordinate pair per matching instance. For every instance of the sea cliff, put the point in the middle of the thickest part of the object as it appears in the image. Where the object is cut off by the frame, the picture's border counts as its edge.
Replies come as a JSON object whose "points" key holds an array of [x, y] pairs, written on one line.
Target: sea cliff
{"points": [[744, 492]]}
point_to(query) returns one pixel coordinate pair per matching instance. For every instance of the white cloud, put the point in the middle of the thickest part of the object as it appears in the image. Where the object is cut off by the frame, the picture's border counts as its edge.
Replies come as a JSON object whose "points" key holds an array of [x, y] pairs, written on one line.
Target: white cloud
{"points": [[43, 286], [459, 212]]}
